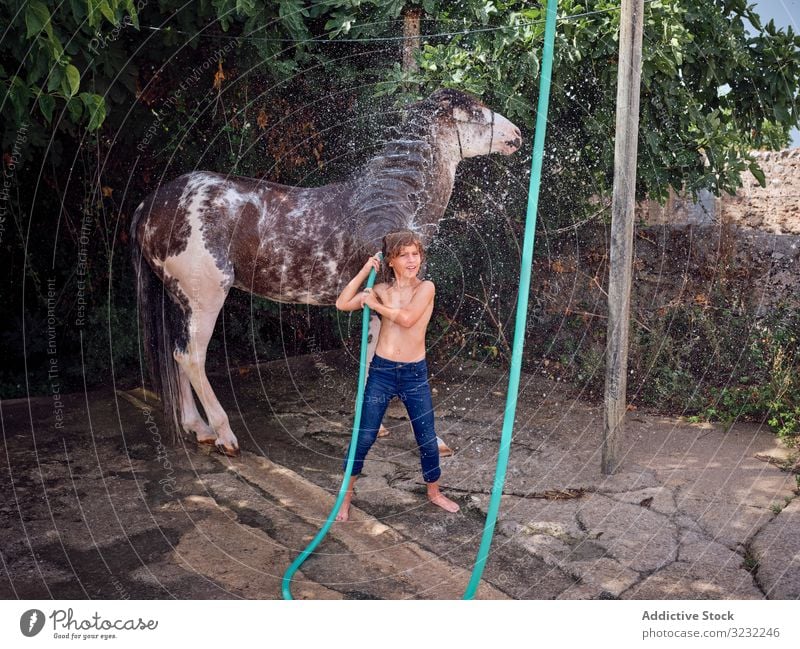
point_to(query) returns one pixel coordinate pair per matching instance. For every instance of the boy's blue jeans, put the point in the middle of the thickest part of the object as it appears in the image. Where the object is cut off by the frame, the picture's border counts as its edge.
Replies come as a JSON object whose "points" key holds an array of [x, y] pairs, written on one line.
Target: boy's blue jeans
{"points": [[409, 381]]}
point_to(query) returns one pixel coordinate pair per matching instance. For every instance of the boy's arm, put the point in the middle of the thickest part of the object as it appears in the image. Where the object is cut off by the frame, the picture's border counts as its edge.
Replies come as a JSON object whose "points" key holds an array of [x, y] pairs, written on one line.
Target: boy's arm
{"points": [[350, 299], [410, 314]]}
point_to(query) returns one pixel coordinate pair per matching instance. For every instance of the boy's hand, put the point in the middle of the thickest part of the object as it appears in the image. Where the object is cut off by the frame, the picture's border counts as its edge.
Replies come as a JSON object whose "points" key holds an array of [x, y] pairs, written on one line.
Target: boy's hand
{"points": [[368, 298], [372, 262], [350, 299]]}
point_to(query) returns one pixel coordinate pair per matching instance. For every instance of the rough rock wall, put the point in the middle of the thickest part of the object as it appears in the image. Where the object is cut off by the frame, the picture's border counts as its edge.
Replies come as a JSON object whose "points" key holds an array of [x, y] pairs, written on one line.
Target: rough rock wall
{"points": [[702, 265], [744, 247], [709, 280], [774, 208]]}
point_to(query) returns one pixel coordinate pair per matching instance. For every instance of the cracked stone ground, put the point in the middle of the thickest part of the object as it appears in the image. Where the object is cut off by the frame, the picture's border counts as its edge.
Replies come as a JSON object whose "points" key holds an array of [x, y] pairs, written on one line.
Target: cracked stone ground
{"points": [[93, 511]]}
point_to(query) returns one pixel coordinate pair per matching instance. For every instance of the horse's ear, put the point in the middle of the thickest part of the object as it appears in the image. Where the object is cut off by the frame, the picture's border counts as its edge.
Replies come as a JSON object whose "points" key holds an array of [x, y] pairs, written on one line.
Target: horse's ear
{"points": [[425, 108], [442, 99], [416, 106]]}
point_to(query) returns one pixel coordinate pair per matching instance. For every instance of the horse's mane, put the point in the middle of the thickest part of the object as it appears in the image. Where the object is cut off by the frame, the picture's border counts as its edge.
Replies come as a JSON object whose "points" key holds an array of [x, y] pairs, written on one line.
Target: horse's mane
{"points": [[389, 187]]}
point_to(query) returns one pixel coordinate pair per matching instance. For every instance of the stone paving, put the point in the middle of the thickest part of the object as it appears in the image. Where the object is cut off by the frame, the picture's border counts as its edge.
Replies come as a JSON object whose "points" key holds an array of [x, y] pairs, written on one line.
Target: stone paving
{"points": [[95, 511]]}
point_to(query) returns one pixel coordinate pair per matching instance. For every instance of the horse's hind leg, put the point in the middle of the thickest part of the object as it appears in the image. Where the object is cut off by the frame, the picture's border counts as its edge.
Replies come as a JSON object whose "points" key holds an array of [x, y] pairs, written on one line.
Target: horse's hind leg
{"points": [[191, 420], [205, 307]]}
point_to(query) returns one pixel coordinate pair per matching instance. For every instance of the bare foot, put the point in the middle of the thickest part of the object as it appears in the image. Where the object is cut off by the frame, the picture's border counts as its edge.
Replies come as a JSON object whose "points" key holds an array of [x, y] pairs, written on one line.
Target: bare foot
{"points": [[444, 502], [444, 449], [344, 512], [382, 432], [440, 500]]}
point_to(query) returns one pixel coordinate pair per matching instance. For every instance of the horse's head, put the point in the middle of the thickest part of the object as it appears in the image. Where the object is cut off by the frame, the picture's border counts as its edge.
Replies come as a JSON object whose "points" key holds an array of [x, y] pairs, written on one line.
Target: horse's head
{"points": [[467, 126]]}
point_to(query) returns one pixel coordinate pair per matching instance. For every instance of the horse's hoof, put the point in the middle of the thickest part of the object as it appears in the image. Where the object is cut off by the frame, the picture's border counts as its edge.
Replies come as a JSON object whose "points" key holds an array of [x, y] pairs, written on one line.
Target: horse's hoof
{"points": [[228, 452], [206, 442]]}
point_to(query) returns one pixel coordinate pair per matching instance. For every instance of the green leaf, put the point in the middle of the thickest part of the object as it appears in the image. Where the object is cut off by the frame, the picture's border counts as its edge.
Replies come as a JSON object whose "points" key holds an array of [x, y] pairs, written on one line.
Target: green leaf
{"points": [[755, 20], [130, 5], [73, 78], [56, 75], [340, 23], [393, 8], [78, 10], [37, 17], [75, 109], [780, 112], [109, 14], [96, 107], [19, 95], [93, 12], [56, 49], [291, 13], [245, 7], [759, 175], [46, 104]]}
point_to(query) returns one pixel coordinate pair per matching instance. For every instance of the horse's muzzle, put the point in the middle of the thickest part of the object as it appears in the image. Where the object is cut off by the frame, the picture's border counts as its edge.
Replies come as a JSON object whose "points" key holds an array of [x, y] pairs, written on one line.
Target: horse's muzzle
{"points": [[511, 146]]}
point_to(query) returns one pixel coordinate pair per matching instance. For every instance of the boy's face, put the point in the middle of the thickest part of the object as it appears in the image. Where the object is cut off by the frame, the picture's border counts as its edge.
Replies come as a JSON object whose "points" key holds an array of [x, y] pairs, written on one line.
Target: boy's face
{"points": [[406, 263]]}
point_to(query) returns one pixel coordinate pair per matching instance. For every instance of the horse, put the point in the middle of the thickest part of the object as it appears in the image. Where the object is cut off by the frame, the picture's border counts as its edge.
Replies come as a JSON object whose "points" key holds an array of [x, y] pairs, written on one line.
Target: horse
{"points": [[198, 236]]}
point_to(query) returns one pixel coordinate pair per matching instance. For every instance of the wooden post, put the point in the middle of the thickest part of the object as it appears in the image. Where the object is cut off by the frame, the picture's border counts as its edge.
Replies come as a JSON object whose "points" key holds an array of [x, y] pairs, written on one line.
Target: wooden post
{"points": [[622, 219], [411, 21]]}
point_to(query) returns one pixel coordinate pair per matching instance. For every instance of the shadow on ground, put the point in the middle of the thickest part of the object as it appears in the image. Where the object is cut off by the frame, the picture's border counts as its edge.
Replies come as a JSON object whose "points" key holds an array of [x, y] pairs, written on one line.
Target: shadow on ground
{"points": [[98, 508]]}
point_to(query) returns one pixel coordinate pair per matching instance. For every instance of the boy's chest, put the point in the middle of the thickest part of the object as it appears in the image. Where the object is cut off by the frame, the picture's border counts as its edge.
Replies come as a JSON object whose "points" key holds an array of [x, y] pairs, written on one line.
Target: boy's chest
{"points": [[397, 299]]}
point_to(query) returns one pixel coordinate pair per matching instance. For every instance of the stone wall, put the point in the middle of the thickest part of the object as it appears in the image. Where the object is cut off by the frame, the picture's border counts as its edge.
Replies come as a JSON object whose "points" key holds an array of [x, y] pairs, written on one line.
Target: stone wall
{"points": [[774, 208], [702, 265], [710, 278], [748, 243]]}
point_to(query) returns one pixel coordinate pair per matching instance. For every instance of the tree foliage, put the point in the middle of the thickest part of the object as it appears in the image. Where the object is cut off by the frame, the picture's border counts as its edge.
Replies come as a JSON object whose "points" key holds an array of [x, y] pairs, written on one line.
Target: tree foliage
{"points": [[716, 82], [102, 99], [712, 90]]}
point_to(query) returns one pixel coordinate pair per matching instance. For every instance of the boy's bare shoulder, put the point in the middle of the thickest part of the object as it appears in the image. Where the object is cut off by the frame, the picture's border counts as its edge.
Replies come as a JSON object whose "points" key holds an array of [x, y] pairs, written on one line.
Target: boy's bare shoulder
{"points": [[425, 291]]}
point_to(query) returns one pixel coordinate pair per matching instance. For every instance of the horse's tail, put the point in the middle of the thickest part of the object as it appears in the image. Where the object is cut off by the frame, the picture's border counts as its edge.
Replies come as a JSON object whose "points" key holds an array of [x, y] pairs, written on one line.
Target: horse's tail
{"points": [[161, 319]]}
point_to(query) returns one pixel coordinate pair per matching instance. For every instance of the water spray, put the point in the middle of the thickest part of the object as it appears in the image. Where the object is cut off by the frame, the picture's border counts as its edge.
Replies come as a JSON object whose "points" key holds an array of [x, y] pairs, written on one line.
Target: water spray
{"points": [[522, 300], [516, 352]]}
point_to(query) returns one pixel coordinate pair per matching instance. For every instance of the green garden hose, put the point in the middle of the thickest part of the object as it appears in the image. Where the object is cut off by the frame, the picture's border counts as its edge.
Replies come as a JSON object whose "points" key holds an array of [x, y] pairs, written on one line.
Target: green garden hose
{"points": [[286, 584], [522, 300]]}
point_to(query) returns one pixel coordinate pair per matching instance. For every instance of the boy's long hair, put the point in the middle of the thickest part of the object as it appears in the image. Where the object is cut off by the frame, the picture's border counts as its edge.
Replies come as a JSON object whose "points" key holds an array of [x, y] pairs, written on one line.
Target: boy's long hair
{"points": [[393, 243]]}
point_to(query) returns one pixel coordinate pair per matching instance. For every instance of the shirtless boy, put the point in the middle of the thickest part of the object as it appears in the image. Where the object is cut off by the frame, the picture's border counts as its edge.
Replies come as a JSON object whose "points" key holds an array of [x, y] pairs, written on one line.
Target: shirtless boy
{"points": [[398, 368]]}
